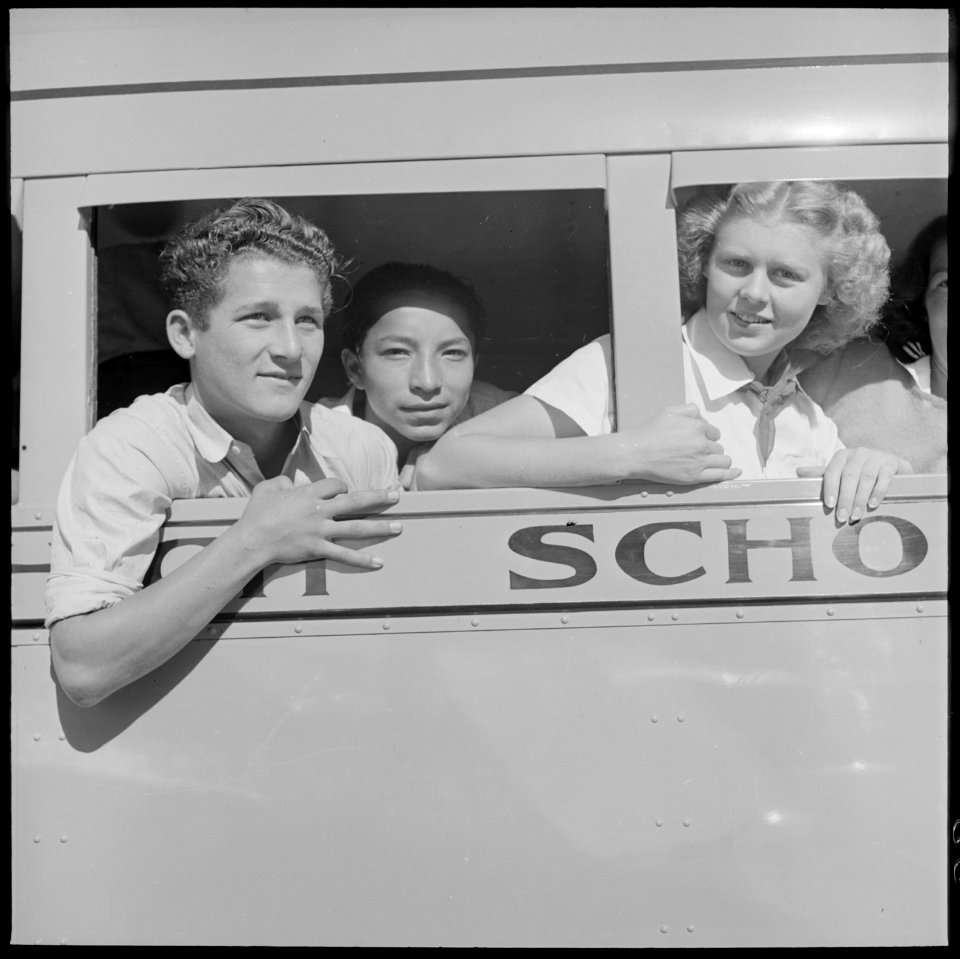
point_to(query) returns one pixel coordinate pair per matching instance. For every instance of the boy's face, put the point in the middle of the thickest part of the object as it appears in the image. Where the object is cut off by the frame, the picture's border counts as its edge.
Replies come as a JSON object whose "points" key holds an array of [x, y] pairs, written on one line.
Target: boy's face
{"points": [[257, 356], [764, 280], [416, 367]]}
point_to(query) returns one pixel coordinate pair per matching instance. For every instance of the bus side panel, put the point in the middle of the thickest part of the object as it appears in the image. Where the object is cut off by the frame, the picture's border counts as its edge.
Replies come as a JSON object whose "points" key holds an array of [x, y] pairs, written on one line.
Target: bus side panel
{"points": [[694, 781]]}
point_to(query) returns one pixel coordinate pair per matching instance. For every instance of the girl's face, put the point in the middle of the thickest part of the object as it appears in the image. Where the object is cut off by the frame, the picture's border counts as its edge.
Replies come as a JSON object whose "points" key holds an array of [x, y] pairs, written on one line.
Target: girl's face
{"points": [[416, 368], [765, 277], [936, 302]]}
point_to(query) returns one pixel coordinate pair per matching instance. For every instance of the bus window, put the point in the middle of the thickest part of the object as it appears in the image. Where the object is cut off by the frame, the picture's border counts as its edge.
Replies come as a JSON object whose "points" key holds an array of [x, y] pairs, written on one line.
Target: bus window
{"points": [[537, 258], [905, 187]]}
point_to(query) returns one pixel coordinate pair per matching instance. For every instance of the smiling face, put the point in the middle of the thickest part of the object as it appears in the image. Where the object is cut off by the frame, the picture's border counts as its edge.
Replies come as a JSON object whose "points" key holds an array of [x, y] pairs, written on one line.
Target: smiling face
{"points": [[935, 301], [765, 277], [416, 367], [253, 362]]}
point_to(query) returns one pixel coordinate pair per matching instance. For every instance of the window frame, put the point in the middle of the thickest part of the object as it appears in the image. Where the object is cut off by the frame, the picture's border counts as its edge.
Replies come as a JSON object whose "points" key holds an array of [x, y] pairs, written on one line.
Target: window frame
{"points": [[640, 192]]}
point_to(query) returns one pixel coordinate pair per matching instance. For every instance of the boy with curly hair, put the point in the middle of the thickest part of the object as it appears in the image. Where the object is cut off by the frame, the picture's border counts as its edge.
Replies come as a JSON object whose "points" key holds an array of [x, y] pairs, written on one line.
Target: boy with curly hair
{"points": [[250, 288]]}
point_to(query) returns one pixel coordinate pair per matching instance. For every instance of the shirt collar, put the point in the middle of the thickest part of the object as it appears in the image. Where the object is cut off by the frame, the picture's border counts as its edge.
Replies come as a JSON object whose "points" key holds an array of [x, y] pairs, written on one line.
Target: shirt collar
{"points": [[213, 442], [721, 371]]}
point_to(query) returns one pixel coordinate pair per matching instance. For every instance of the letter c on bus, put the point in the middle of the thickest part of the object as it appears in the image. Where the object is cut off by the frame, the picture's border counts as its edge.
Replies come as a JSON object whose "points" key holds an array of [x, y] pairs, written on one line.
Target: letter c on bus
{"points": [[846, 546], [631, 554], [529, 542]]}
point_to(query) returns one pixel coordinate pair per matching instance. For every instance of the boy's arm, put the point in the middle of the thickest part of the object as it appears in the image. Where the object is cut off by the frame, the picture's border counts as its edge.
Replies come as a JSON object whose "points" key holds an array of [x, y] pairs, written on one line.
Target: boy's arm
{"points": [[96, 653], [526, 442]]}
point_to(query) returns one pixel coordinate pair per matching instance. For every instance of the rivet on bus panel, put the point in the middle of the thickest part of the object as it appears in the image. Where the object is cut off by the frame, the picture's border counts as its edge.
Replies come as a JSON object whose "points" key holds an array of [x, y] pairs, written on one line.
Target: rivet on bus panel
{"points": [[674, 616], [739, 614], [830, 610], [564, 620], [650, 617], [36, 737], [298, 629], [681, 718], [919, 607], [38, 515], [658, 823], [474, 622], [36, 636], [654, 719], [691, 927], [664, 928], [64, 838], [686, 822], [643, 493], [669, 492], [37, 838], [386, 625]]}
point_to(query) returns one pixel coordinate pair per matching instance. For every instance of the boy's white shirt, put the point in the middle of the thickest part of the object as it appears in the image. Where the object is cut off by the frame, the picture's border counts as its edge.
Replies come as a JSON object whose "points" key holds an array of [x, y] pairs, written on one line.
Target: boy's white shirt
{"points": [[130, 467], [582, 387]]}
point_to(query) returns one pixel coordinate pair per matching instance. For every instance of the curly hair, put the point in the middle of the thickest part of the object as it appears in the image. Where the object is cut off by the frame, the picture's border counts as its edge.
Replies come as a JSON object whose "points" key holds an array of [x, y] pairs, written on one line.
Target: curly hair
{"points": [[195, 261], [856, 253], [905, 313], [376, 287]]}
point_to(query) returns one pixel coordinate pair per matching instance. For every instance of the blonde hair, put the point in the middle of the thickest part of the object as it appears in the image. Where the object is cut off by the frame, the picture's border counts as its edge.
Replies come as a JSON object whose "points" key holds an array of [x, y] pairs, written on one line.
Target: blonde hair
{"points": [[856, 254]]}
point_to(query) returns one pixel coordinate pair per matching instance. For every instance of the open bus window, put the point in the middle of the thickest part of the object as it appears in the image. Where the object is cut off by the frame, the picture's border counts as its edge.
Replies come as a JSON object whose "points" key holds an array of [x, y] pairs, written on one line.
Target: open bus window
{"points": [[878, 394], [538, 260]]}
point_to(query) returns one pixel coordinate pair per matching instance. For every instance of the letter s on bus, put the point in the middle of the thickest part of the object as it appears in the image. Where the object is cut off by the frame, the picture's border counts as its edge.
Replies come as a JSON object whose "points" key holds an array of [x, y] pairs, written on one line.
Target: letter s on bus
{"points": [[529, 542]]}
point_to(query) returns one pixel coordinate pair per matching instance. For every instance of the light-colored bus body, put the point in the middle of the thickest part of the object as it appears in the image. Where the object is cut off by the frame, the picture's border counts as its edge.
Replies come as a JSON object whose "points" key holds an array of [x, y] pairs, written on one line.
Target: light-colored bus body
{"points": [[626, 716]]}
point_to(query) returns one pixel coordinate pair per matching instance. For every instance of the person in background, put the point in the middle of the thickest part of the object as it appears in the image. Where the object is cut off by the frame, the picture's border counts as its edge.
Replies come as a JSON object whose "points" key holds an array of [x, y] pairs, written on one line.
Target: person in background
{"points": [[250, 287], [893, 394], [781, 271], [916, 314], [410, 341]]}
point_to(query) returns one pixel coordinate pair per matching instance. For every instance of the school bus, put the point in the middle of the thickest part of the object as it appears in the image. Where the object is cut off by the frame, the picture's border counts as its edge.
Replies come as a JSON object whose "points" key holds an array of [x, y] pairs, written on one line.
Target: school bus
{"points": [[622, 716]]}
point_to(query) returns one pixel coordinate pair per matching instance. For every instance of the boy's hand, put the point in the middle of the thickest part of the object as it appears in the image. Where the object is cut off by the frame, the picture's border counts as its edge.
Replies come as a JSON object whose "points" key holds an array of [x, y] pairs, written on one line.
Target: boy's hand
{"points": [[287, 524], [678, 446], [856, 480]]}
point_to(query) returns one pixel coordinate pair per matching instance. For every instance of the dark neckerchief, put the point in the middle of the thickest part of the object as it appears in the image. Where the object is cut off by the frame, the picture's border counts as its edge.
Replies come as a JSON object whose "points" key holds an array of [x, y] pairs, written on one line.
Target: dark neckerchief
{"points": [[783, 375]]}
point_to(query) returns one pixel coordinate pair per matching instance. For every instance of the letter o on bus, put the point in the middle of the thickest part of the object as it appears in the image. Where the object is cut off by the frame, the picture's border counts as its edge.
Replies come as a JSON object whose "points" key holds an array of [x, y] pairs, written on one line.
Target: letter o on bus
{"points": [[847, 547]]}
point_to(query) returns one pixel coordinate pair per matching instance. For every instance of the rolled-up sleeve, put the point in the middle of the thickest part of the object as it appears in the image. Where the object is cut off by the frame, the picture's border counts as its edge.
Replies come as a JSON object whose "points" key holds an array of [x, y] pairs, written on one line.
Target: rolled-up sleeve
{"points": [[114, 498], [581, 387]]}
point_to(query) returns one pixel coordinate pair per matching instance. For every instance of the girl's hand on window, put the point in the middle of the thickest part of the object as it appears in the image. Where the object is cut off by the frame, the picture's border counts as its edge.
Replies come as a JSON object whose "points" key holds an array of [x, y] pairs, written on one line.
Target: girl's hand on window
{"points": [[856, 480]]}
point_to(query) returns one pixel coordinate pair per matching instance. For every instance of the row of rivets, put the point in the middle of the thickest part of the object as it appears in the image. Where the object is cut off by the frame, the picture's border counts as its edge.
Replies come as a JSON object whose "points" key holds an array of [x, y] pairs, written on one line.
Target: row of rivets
{"points": [[675, 616], [665, 928], [38, 838], [655, 718]]}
